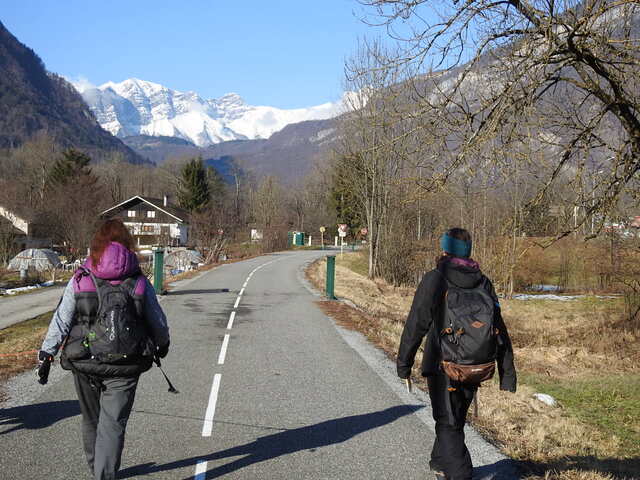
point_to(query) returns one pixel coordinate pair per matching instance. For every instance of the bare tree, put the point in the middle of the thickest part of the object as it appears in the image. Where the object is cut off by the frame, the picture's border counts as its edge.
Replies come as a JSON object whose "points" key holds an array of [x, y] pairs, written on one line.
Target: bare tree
{"points": [[483, 70]]}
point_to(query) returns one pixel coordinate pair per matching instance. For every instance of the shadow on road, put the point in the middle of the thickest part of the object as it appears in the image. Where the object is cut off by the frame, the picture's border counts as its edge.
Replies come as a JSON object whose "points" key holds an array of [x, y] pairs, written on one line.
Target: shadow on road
{"points": [[172, 293], [283, 443], [39, 415]]}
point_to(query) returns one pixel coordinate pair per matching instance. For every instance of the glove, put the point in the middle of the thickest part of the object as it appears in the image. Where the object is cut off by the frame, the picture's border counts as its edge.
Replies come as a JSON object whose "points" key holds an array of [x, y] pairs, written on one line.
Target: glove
{"points": [[44, 366], [163, 350]]}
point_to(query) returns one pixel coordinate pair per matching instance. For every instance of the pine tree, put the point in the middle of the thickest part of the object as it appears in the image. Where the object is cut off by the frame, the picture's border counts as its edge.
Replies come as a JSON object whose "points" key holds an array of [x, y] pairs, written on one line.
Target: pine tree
{"points": [[72, 165], [193, 186]]}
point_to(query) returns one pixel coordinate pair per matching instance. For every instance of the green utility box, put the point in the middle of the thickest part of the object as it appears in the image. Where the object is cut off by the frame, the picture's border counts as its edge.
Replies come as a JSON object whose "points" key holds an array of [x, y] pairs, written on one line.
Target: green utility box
{"points": [[158, 270], [296, 239], [331, 277]]}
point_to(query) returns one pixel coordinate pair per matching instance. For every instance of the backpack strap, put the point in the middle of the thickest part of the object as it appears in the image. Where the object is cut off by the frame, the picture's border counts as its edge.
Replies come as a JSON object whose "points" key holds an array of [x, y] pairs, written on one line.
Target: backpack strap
{"points": [[95, 282]]}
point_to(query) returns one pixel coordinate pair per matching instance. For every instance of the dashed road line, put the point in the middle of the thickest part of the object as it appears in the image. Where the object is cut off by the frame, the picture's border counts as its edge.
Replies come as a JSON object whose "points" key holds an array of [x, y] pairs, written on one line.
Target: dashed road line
{"points": [[211, 407], [223, 349], [201, 470], [231, 318], [207, 427]]}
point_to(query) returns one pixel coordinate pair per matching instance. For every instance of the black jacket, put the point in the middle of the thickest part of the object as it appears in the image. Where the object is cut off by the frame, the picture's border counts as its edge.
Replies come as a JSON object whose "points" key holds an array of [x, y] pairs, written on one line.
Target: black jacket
{"points": [[426, 318]]}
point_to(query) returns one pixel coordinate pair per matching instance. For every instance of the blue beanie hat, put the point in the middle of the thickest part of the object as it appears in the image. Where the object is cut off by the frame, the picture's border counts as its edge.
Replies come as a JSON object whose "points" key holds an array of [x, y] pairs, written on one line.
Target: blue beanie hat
{"points": [[454, 246]]}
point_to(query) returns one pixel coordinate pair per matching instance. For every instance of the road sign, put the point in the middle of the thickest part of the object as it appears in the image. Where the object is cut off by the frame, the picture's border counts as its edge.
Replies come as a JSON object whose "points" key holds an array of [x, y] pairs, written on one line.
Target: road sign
{"points": [[323, 229], [342, 229], [342, 234], [364, 231]]}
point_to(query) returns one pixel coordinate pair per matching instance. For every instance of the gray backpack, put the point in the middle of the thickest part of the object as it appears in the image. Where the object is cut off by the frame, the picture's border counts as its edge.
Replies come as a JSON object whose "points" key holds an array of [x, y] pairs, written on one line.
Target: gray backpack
{"points": [[118, 335], [469, 338]]}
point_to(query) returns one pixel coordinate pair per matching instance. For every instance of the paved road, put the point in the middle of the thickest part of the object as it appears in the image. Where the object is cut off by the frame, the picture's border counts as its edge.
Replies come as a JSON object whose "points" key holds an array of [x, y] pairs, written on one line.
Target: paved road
{"points": [[269, 389], [28, 305]]}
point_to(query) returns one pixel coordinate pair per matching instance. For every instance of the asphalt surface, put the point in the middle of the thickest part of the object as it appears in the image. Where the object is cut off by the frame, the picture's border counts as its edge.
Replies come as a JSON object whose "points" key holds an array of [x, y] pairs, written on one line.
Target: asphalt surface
{"points": [[14, 309], [278, 392]]}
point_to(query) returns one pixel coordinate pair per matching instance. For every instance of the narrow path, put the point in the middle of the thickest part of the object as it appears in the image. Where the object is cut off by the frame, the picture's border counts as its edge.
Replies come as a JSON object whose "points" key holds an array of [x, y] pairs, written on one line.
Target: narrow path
{"points": [[23, 307]]}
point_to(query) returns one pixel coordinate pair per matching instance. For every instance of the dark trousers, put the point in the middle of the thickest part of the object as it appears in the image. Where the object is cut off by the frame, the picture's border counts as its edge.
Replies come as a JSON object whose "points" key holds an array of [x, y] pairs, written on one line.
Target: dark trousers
{"points": [[105, 407], [450, 454]]}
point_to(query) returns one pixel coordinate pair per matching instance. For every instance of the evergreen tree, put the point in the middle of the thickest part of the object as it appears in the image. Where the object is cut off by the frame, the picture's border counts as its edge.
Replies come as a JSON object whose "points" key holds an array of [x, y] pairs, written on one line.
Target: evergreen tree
{"points": [[193, 186], [72, 165]]}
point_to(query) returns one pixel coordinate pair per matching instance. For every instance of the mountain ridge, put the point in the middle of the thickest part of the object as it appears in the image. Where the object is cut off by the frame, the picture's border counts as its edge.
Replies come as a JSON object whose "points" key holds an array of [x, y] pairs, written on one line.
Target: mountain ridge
{"points": [[139, 107]]}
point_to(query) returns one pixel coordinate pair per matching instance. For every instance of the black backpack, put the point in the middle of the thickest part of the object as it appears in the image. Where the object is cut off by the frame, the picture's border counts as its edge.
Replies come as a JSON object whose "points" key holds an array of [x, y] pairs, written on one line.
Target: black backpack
{"points": [[469, 338], [118, 335]]}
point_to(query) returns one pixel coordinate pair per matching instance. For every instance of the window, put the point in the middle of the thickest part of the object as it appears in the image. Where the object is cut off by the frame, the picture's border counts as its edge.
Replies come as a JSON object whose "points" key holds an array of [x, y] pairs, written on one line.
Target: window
{"points": [[151, 214], [148, 228], [131, 213]]}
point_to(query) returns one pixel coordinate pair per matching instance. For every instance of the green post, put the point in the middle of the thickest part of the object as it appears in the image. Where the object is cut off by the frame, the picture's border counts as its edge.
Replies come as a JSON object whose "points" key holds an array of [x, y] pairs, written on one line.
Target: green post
{"points": [[331, 277], [158, 270]]}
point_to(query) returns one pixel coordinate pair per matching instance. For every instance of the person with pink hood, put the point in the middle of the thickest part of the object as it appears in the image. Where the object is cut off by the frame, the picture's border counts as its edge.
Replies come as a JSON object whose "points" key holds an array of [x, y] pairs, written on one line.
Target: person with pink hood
{"points": [[109, 327]]}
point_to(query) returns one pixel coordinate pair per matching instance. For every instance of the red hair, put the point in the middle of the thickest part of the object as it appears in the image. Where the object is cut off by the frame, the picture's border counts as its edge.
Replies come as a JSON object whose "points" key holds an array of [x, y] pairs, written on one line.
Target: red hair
{"points": [[112, 230]]}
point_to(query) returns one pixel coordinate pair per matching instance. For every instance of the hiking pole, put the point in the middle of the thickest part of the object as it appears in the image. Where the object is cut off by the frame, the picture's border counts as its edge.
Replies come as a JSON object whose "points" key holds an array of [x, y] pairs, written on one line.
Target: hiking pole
{"points": [[172, 389], [409, 385]]}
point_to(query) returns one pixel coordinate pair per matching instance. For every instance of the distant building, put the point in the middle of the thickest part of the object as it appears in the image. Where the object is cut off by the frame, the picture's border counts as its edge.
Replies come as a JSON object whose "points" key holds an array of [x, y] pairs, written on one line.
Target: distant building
{"points": [[25, 228], [152, 221]]}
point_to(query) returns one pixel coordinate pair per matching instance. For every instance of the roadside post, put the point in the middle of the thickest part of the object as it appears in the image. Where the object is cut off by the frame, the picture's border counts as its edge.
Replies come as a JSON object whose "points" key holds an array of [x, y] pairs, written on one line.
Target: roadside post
{"points": [[158, 270], [322, 230], [342, 232], [331, 277]]}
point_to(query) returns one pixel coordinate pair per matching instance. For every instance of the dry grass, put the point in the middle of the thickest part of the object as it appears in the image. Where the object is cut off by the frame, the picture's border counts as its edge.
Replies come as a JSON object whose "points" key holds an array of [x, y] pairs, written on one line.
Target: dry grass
{"points": [[567, 349], [574, 338], [26, 337]]}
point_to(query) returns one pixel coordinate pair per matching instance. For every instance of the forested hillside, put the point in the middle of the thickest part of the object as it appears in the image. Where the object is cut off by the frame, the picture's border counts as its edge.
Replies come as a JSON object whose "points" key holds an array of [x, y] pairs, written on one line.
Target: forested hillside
{"points": [[33, 101]]}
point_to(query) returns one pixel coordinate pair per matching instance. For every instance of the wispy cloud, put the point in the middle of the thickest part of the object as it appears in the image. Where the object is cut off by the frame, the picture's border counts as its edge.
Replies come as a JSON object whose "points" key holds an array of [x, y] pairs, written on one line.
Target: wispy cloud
{"points": [[81, 83]]}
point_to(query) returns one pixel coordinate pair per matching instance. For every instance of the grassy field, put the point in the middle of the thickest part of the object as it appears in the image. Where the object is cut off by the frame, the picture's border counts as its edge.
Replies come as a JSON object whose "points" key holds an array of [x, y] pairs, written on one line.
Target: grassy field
{"points": [[22, 337], [582, 352]]}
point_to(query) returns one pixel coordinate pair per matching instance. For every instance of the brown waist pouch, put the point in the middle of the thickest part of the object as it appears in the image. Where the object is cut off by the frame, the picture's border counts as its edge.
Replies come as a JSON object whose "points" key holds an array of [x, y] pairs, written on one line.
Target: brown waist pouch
{"points": [[472, 374]]}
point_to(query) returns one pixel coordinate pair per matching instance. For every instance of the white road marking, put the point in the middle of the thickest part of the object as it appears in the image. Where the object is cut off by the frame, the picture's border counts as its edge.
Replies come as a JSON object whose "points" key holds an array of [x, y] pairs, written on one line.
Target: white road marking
{"points": [[207, 427], [201, 470], [223, 350], [231, 318], [211, 407]]}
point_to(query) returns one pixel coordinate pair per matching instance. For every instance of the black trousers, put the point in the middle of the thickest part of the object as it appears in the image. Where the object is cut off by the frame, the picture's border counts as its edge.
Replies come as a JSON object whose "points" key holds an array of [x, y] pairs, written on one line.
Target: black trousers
{"points": [[450, 454], [105, 411]]}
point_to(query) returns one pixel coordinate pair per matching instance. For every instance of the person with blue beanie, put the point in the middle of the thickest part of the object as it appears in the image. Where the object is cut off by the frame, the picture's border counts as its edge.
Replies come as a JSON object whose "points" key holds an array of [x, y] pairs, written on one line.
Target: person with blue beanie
{"points": [[455, 269]]}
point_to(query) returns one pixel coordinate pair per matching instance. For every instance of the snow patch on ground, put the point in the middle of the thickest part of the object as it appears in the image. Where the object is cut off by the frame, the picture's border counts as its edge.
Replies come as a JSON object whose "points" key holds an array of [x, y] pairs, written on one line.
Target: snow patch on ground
{"points": [[561, 298], [13, 291], [546, 399]]}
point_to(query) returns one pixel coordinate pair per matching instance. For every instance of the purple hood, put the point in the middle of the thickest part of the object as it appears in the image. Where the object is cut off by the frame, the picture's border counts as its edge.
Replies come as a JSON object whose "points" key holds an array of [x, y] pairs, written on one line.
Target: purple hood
{"points": [[117, 262], [465, 262]]}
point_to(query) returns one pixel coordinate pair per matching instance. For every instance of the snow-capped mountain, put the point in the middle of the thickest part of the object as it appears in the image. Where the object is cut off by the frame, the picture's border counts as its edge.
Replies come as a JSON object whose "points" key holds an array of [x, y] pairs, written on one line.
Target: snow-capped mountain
{"points": [[138, 107]]}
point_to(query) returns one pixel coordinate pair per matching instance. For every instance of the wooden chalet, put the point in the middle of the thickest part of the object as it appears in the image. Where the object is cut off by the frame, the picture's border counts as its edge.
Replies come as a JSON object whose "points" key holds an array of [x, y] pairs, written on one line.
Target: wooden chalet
{"points": [[152, 221]]}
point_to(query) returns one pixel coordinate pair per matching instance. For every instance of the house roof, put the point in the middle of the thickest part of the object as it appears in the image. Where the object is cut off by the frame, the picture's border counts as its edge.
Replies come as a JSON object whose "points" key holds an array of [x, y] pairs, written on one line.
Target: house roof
{"points": [[6, 227], [178, 213]]}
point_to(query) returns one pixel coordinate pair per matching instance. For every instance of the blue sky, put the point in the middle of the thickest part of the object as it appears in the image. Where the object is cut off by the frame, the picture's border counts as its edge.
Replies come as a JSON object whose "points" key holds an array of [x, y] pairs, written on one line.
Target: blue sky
{"points": [[283, 53]]}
